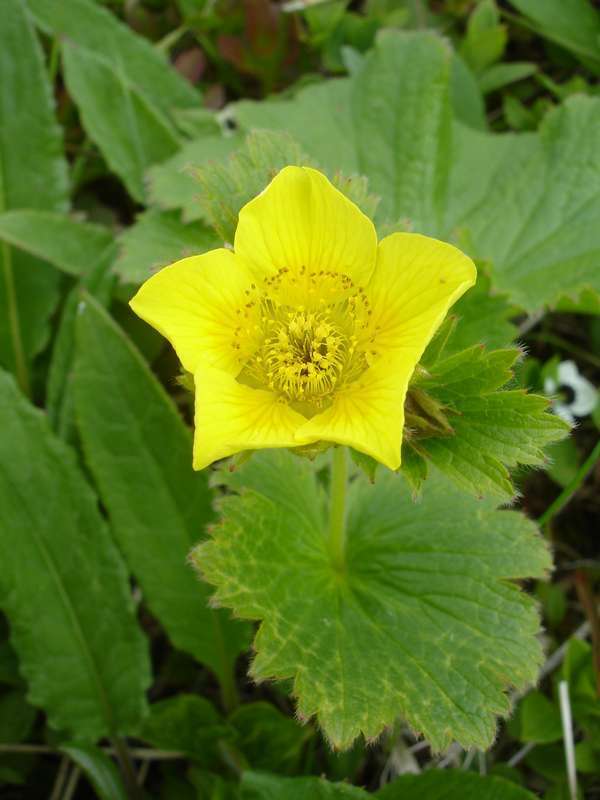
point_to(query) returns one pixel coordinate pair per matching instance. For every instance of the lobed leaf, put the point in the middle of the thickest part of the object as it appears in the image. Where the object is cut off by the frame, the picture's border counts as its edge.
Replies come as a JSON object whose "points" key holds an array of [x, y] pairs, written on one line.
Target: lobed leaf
{"points": [[532, 210], [493, 429], [63, 585], [423, 622]]}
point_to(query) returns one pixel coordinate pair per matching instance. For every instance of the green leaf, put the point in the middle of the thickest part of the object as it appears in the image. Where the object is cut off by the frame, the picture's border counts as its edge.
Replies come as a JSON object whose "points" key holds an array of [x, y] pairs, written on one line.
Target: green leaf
{"points": [[226, 187], [486, 39], [99, 769], [63, 584], [500, 75], [537, 720], [127, 95], [431, 785], [574, 25], [401, 113], [132, 133], [483, 318], [69, 245], [269, 740], [452, 785], [533, 208], [492, 429], [186, 723], [140, 454], [173, 184], [33, 174], [156, 239], [16, 717], [466, 96], [330, 138], [261, 786], [98, 31], [59, 400], [423, 622]]}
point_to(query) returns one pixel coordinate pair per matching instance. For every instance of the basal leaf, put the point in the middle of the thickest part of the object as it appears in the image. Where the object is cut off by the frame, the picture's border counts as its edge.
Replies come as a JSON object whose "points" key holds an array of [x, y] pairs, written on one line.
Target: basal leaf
{"points": [[431, 785], [391, 122], [33, 174], [186, 723], [139, 451], [63, 585], [98, 31], [131, 132], [574, 25], [531, 210], [401, 112], [156, 239], [453, 784], [330, 138], [99, 282], [423, 622], [99, 769], [127, 95], [269, 739], [69, 245], [262, 786]]}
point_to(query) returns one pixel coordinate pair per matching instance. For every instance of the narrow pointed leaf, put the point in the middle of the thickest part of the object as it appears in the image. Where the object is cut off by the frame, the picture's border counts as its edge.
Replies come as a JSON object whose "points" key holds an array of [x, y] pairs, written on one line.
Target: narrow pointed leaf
{"points": [[452, 784], [140, 453], [63, 584], [99, 769], [68, 244], [33, 174]]}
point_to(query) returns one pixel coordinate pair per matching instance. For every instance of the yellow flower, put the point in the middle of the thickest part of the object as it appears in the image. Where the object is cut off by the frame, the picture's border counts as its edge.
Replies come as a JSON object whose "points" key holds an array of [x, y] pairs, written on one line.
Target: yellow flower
{"points": [[310, 330]]}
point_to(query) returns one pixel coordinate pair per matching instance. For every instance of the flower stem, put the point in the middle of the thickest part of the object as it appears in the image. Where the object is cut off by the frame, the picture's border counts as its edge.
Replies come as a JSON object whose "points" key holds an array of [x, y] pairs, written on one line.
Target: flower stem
{"points": [[567, 493], [337, 512]]}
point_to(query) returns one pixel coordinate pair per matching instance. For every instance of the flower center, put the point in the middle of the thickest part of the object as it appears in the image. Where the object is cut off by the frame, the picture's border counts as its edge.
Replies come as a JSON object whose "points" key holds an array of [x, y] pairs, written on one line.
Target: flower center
{"points": [[304, 353], [305, 330]]}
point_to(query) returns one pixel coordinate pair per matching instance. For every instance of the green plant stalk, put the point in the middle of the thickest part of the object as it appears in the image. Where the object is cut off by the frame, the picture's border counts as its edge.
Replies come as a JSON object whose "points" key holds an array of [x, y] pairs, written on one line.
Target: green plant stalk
{"points": [[12, 311], [567, 493], [337, 511], [127, 769], [13, 321]]}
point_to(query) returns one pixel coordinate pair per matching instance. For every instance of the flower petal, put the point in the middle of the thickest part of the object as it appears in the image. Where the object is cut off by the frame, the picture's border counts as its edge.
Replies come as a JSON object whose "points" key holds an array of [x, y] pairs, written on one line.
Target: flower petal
{"points": [[416, 280], [231, 417], [369, 413], [302, 220], [197, 303]]}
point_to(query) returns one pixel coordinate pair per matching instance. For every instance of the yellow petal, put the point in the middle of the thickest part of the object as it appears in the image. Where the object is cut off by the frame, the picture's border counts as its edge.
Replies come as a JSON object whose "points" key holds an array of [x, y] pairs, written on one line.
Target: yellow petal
{"points": [[231, 417], [197, 304], [367, 414], [302, 220], [416, 281]]}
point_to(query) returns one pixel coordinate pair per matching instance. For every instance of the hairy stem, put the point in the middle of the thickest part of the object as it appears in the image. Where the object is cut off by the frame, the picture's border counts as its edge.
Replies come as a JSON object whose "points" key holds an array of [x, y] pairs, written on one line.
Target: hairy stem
{"points": [[337, 512]]}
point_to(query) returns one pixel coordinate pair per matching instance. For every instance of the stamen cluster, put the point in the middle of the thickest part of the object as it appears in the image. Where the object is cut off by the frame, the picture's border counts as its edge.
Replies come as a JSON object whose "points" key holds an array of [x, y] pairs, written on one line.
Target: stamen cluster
{"points": [[307, 332]]}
